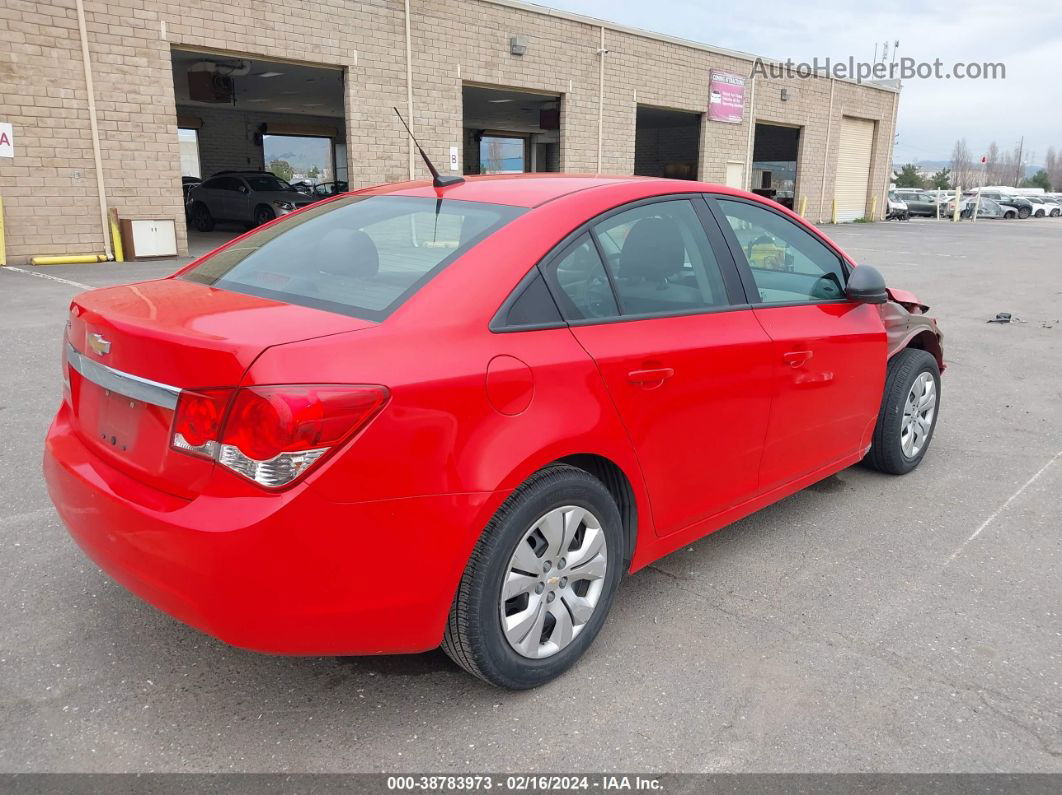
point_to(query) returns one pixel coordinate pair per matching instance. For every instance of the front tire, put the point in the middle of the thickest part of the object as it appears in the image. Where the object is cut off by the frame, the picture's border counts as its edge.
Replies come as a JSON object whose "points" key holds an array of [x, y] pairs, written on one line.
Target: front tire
{"points": [[263, 215], [540, 581], [908, 415], [1024, 213]]}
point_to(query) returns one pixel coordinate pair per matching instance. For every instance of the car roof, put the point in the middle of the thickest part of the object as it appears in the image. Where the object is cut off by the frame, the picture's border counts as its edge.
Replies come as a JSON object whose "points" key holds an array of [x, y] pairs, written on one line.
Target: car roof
{"points": [[521, 190]]}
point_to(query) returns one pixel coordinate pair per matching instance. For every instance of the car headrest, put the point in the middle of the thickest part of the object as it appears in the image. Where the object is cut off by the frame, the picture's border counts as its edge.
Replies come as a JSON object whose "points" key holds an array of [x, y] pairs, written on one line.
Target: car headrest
{"points": [[653, 250], [348, 252]]}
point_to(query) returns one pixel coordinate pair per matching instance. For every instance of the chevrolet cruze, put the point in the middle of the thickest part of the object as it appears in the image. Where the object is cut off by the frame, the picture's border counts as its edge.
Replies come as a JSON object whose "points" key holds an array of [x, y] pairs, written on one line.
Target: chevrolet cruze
{"points": [[457, 415]]}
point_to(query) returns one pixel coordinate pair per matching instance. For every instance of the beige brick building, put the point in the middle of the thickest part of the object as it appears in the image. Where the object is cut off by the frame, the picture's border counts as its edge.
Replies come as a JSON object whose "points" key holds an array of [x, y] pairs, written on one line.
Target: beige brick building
{"points": [[584, 96]]}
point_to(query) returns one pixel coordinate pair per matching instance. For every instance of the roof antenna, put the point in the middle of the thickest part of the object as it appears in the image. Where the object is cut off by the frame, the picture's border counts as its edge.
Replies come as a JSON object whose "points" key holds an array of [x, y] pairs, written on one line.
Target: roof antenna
{"points": [[437, 179]]}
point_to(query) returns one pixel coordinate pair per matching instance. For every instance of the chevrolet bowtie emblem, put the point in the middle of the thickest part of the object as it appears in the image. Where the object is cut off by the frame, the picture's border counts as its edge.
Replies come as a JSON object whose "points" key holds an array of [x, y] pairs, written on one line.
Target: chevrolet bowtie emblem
{"points": [[99, 344]]}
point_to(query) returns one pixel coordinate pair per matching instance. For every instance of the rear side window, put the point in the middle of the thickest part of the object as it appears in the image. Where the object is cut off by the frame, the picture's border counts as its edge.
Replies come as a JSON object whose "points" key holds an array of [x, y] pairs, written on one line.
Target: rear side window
{"points": [[533, 306], [582, 285], [360, 256], [660, 259]]}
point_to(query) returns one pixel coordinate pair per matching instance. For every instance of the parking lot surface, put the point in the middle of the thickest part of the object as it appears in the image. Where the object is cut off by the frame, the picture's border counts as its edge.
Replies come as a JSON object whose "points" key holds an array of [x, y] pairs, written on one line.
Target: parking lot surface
{"points": [[869, 623]]}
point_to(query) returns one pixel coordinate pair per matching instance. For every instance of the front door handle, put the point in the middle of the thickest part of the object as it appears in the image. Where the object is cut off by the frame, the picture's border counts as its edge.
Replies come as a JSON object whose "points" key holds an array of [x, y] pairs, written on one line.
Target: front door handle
{"points": [[797, 358], [650, 378]]}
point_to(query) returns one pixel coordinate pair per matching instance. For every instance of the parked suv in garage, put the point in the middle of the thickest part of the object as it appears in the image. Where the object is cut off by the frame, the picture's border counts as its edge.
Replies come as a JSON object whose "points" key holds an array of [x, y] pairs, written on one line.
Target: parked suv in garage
{"points": [[248, 197]]}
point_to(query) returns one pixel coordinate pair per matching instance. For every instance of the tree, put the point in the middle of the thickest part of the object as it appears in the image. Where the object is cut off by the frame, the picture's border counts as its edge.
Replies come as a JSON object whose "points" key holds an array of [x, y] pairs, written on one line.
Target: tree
{"points": [[941, 180], [908, 177], [1014, 170], [1008, 166], [314, 172], [1038, 180], [1053, 166], [283, 169], [992, 173], [962, 171]]}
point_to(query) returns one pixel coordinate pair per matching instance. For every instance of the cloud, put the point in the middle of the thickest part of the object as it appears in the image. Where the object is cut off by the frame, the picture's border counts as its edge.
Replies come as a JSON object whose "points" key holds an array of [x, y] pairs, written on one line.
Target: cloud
{"points": [[1026, 38]]}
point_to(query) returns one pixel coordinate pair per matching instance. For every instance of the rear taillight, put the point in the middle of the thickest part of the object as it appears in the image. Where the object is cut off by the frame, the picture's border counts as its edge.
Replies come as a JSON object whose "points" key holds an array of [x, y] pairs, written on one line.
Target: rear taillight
{"points": [[272, 434], [197, 420]]}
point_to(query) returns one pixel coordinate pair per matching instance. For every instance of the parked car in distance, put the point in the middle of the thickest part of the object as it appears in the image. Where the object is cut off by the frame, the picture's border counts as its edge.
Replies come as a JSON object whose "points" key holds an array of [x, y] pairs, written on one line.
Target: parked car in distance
{"points": [[896, 208], [1045, 207], [303, 186], [247, 197], [187, 183], [1022, 206], [325, 189], [418, 415], [986, 208], [919, 203]]}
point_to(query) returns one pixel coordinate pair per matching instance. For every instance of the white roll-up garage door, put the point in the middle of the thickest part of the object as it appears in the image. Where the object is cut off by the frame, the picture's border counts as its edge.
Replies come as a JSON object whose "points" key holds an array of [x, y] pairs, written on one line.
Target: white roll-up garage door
{"points": [[853, 168]]}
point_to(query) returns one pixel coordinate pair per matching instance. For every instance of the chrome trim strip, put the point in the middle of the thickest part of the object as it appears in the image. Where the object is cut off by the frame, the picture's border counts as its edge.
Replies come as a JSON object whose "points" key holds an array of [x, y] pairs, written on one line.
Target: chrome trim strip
{"points": [[132, 386]]}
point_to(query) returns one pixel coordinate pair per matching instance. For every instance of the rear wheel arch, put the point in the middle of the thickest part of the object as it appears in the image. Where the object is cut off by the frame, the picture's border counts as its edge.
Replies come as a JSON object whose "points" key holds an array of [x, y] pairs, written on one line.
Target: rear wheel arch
{"points": [[619, 486]]}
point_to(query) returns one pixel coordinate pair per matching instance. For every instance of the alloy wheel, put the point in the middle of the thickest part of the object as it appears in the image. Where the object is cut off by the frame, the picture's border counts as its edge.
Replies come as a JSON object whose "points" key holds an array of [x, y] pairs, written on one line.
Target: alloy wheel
{"points": [[918, 413], [553, 582]]}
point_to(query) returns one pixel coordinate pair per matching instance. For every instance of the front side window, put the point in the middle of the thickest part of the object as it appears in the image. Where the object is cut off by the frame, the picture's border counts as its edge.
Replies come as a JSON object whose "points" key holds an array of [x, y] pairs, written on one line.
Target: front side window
{"points": [[660, 260], [788, 264], [360, 256]]}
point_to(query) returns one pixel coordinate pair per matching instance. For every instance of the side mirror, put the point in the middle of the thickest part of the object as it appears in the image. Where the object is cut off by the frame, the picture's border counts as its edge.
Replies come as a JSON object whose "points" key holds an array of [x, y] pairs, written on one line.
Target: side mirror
{"points": [[867, 286]]}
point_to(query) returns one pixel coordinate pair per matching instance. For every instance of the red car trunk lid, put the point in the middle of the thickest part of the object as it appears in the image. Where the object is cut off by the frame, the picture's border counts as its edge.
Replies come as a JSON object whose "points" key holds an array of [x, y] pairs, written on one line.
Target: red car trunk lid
{"points": [[174, 333]]}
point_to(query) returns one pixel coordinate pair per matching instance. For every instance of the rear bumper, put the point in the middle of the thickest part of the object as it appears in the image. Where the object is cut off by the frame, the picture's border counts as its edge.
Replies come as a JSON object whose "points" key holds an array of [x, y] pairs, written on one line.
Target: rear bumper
{"points": [[282, 572]]}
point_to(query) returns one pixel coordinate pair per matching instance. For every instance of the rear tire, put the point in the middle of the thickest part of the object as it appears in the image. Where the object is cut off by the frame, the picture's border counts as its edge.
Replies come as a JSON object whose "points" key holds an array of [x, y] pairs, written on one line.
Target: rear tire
{"points": [[910, 406], [516, 570], [1024, 212], [202, 220]]}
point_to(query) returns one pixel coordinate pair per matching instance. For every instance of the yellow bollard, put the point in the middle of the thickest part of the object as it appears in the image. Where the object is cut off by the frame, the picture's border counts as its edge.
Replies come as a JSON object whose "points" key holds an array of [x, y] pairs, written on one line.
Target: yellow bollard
{"points": [[116, 235], [873, 208], [68, 259], [803, 206], [834, 218]]}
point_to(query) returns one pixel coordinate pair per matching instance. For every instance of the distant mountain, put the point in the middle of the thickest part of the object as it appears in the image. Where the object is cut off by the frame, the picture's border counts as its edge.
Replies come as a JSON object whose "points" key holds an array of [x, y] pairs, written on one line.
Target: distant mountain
{"points": [[937, 165]]}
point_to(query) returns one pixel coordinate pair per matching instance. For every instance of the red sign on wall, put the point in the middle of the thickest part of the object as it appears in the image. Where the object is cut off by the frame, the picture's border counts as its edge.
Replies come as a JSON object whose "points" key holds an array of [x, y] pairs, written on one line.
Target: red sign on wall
{"points": [[726, 100]]}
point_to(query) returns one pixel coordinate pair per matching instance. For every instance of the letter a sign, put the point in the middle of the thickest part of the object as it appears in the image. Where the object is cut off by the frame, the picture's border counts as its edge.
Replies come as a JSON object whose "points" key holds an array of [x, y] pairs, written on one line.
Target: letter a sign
{"points": [[7, 140]]}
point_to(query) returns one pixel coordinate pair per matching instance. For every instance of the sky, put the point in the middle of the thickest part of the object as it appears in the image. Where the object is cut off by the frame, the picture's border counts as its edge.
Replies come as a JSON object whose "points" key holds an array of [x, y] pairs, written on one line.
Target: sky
{"points": [[1026, 37]]}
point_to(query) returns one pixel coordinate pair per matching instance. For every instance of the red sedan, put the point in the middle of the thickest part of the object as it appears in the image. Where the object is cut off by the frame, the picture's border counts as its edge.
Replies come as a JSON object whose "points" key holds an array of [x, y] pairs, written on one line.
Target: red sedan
{"points": [[418, 415]]}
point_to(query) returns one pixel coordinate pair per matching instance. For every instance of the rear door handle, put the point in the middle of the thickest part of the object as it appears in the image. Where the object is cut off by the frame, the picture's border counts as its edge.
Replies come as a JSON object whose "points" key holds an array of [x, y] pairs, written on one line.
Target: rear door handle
{"points": [[653, 377], [797, 358]]}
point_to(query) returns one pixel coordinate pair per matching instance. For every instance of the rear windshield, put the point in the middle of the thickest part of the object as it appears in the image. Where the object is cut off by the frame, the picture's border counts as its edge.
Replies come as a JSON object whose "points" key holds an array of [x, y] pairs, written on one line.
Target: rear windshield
{"points": [[360, 256]]}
